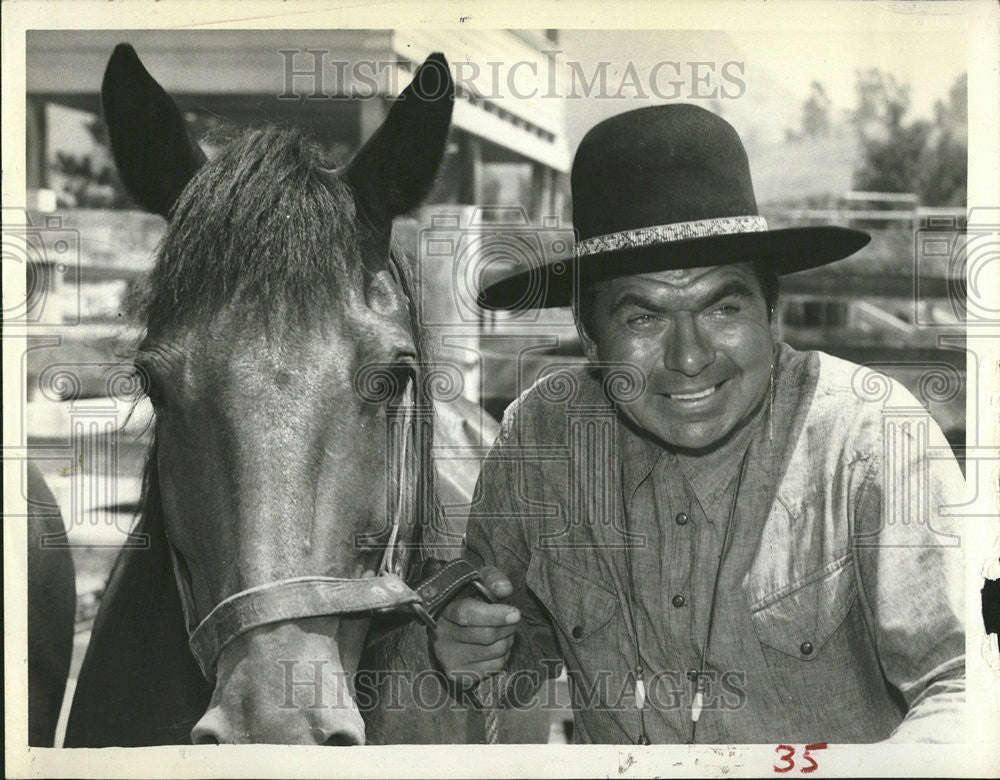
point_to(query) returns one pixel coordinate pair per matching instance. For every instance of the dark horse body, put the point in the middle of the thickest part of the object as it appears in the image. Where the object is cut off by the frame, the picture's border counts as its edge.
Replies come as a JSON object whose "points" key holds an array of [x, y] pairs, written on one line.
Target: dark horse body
{"points": [[274, 289], [51, 610]]}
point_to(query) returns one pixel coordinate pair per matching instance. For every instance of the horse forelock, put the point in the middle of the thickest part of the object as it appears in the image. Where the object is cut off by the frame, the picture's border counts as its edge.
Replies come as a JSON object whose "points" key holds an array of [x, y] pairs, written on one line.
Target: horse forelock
{"points": [[268, 224]]}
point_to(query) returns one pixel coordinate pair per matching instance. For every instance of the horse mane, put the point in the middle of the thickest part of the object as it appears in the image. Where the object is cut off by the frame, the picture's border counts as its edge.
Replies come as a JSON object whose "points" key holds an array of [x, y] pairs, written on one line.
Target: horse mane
{"points": [[267, 223]]}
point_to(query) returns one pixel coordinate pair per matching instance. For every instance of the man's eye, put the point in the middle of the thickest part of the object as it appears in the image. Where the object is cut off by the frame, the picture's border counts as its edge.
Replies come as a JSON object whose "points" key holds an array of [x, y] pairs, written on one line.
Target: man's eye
{"points": [[641, 321], [727, 309]]}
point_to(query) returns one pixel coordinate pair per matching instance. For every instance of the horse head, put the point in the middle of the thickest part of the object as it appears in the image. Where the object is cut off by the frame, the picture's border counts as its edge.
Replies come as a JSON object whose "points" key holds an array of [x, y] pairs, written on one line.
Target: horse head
{"points": [[279, 354]]}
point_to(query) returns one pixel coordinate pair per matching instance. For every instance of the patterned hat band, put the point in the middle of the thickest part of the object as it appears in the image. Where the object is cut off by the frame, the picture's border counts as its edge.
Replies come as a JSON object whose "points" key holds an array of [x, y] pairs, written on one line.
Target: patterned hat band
{"points": [[665, 234]]}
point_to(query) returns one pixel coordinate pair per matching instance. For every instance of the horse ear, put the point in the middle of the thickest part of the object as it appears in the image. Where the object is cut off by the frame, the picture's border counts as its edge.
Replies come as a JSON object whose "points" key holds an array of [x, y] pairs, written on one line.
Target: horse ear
{"points": [[153, 152], [394, 170]]}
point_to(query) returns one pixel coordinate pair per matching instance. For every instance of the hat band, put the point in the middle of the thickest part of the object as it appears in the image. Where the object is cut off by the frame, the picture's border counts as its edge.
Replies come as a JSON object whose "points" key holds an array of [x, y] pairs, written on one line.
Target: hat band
{"points": [[665, 234]]}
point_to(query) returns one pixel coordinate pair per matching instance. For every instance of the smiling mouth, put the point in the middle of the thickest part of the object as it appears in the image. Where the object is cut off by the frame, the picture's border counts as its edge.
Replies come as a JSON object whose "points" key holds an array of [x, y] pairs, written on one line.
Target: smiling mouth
{"points": [[694, 396]]}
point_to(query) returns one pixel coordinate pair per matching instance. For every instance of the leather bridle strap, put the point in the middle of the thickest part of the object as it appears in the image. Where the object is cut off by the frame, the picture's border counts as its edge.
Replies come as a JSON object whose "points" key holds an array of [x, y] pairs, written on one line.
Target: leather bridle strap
{"points": [[292, 599], [446, 582], [305, 597]]}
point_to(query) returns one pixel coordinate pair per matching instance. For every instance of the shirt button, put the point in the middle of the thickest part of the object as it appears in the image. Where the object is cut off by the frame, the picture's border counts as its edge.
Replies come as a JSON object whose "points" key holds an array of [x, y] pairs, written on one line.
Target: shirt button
{"points": [[577, 632], [806, 648], [681, 519], [678, 601]]}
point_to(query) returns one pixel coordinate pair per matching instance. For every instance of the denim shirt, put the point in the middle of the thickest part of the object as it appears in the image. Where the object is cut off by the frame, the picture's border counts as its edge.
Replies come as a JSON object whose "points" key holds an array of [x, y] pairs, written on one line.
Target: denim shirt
{"points": [[838, 605]]}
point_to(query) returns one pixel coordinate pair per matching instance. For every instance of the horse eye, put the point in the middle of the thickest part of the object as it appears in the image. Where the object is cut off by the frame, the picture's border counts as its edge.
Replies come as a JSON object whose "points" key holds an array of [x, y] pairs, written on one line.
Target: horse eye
{"points": [[386, 384], [150, 384], [404, 373]]}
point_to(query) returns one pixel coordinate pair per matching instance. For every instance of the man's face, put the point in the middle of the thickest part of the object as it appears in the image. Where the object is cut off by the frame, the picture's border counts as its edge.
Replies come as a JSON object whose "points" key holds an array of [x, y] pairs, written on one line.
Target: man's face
{"points": [[702, 340]]}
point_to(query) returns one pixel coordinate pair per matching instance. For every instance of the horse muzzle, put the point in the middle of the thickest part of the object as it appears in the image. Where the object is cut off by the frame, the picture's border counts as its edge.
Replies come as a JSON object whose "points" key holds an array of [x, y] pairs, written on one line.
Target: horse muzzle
{"points": [[287, 683]]}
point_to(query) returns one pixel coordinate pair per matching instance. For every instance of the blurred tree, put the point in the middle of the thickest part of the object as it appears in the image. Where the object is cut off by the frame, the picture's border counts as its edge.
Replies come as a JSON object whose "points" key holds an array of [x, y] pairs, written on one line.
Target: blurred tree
{"points": [[944, 163], [90, 180], [882, 102], [924, 157], [815, 121], [816, 112]]}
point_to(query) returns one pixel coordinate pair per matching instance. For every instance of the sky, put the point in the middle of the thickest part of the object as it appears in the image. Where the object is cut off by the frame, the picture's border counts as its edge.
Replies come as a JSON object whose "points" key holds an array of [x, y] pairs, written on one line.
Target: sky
{"points": [[777, 69], [775, 72]]}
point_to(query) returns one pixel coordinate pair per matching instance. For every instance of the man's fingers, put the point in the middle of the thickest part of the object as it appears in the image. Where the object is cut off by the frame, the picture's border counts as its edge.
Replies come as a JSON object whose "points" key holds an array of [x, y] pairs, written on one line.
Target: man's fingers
{"points": [[498, 582], [474, 635], [475, 612], [499, 650], [474, 643]]}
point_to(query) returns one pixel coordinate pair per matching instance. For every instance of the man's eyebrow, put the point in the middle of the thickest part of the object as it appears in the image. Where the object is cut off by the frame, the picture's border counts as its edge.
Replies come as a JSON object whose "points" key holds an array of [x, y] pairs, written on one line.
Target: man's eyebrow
{"points": [[734, 288], [635, 300]]}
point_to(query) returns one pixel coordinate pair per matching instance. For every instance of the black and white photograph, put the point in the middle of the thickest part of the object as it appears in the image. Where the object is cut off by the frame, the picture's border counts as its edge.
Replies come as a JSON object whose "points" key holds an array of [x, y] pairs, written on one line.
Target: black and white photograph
{"points": [[547, 389]]}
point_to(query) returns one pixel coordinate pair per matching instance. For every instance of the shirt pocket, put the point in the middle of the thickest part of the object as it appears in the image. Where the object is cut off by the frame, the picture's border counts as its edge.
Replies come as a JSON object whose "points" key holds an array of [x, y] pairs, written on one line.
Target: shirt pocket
{"points": [[579, 606], [587, 622], [799, 620]]}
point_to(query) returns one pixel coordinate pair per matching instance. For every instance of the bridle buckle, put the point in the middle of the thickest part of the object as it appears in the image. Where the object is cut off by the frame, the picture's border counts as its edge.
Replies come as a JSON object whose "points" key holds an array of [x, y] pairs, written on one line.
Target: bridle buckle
{"points": [[425, 617]]}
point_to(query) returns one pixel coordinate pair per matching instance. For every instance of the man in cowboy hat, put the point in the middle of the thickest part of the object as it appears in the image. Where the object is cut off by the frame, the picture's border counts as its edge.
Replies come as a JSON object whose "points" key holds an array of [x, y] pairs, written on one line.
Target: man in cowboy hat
{"points": [[721, 538]]}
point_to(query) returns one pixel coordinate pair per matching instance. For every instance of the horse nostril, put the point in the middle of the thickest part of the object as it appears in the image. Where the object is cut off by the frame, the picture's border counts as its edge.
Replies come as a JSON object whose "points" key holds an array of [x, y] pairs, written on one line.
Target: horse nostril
{"points": [[342, 739], [203, 736]]}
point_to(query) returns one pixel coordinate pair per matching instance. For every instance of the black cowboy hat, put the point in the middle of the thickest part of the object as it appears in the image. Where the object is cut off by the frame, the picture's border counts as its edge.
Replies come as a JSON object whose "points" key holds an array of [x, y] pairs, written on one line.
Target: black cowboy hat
{"points": [[660, 188]]}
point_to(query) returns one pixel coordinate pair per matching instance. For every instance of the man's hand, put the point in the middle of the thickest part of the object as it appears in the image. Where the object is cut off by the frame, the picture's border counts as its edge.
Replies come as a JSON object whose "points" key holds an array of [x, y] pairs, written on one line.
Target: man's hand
{"points": [[474, 638]]}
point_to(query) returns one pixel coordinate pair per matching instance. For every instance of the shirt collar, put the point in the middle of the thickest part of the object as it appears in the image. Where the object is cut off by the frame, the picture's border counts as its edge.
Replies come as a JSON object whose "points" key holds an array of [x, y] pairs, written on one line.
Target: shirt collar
{"points": [[709, 474], [640, 454]]}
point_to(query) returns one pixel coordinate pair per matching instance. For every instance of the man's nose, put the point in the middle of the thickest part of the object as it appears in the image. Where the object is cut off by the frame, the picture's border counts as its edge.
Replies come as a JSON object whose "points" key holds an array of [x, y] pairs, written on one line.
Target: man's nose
{"points": [[686, 350]]}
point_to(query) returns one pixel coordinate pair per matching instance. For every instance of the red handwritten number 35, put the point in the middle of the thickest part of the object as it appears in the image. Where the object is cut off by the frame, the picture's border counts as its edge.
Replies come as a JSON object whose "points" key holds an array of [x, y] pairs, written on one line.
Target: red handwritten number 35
{"points": [[790, 764]]}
